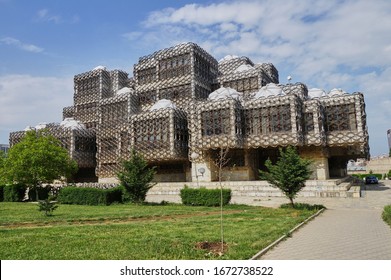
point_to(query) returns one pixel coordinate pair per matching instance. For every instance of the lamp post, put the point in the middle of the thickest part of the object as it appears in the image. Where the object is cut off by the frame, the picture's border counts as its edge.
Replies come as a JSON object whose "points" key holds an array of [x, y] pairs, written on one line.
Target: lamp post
{"points": [[194, 156]]}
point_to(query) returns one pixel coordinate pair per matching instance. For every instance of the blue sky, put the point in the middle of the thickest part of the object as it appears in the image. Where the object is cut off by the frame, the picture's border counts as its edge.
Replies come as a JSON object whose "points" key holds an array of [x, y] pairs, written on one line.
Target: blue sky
{"points": [[324, 44]]}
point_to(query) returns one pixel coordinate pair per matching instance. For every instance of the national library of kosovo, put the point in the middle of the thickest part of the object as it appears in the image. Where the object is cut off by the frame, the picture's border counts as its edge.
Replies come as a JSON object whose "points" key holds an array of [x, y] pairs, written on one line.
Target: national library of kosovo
{"points": [[182, 107]]}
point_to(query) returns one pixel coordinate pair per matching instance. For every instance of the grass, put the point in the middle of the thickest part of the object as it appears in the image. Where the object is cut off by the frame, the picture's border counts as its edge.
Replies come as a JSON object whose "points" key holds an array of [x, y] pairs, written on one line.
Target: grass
{"points": [[125, 232], [386, 215]]}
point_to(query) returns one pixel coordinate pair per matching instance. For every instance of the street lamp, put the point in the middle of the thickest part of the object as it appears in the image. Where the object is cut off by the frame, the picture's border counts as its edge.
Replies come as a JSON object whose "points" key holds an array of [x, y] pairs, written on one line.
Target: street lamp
{"points": [[194, 156]]}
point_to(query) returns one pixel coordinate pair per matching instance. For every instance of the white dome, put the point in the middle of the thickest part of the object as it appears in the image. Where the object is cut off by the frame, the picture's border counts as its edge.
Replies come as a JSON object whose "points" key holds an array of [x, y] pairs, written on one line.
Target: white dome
{"points": [[100, 67], [162, 104], [28, 128], [224, 93], [72, 124], [316, 93], [228, 57], [336, 91], [123, 90], [269, 90], [41, 125], [244, 67]]}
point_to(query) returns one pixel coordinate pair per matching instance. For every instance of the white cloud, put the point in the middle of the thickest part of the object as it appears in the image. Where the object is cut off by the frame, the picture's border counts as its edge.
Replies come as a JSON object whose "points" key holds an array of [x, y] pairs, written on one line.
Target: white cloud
{"points": [[44, 15], [27, 100], [343, 44], [20, 45]]}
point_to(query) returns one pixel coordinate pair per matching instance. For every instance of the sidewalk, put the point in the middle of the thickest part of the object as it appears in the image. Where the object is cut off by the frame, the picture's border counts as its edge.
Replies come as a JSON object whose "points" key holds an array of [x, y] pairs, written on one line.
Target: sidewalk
{"points": [[350, 229]]}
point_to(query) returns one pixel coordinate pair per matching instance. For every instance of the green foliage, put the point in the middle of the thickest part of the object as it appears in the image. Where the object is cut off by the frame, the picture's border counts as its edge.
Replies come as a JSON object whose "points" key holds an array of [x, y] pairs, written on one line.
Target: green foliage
{"points": [[289, 173], [362, 176], [47, 206], [37, 159], [14, 193], [89, 196], [2, 167], [205, 197], [136, 178], [303, 206], [386, 215]]}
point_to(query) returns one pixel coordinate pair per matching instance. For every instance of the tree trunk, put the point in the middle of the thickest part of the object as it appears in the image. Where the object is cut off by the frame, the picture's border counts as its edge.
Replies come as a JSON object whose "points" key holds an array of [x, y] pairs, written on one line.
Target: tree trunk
{"points": [[292, 204]]}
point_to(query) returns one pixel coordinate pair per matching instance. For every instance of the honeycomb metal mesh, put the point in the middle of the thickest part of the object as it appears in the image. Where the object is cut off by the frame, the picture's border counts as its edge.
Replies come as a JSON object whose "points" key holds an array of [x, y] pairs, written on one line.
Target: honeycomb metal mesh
{"points": [[186, 74]]}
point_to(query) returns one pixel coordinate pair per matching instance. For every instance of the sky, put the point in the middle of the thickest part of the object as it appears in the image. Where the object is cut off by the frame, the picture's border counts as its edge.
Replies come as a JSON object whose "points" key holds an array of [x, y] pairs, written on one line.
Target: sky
{"points": [[325, 44]]}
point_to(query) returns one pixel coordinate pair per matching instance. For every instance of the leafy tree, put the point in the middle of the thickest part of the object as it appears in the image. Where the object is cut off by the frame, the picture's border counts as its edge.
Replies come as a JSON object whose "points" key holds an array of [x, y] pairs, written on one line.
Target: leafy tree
{"points": [[2, 167], [136, 177], [38, 159], [289, 173]]}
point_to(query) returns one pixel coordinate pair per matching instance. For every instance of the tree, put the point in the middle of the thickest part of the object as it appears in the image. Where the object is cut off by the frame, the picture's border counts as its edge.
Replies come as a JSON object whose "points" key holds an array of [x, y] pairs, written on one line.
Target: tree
{"points": [[2, 169], [136, 177], [289, 173], [220, 162], [38, 159]]}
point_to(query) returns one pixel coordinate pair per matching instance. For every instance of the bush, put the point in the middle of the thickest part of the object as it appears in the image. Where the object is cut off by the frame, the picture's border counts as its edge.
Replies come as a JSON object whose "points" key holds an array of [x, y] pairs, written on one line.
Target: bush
{"points": [[14, 193], [43, 193], [362, 176], [1, 193], [303, 206], [89, 196], [204, 197], [387, 214], [47, 206]]}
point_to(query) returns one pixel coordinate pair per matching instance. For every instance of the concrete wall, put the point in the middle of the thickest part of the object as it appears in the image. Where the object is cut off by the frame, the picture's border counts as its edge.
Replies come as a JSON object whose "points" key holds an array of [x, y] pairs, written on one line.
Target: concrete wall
{"points": [[381, 165], [255, 190]]}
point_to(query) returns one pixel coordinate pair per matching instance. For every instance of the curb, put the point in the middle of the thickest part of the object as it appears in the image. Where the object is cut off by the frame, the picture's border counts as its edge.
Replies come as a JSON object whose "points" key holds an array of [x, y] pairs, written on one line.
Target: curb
{"points": [[266, 249]]}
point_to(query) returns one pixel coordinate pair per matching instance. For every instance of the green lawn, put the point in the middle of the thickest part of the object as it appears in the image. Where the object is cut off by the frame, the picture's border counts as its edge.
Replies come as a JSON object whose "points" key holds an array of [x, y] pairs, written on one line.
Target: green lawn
{"points": [[125, 231]]}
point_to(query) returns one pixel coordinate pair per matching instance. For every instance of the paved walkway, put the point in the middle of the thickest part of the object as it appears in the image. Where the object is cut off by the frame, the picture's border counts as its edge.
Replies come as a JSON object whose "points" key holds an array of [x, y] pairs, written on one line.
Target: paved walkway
{"points": [[350, 229]]}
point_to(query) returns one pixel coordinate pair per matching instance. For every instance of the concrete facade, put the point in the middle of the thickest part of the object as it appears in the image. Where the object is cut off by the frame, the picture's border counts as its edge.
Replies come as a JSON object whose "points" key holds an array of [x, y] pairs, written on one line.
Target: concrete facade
{"points": [[182, 107]]}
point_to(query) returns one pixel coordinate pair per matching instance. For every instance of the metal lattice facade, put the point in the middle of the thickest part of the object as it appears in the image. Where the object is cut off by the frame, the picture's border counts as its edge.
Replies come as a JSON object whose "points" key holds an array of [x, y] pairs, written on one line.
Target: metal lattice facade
{"points": [[116, 115]]}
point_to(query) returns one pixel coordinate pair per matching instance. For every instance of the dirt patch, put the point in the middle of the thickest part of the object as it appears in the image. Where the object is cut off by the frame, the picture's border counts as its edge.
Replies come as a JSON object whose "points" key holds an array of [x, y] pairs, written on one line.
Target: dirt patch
{"points": [[214, 248]]}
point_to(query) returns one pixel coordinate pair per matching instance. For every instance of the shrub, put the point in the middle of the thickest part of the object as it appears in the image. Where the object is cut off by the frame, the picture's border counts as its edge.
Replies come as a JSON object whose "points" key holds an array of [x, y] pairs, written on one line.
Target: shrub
{"points": [[1, 193], [89, 196], [303, 206], [14, 193], [204, 197], [386, 215], [47, 206], [362, 176]]}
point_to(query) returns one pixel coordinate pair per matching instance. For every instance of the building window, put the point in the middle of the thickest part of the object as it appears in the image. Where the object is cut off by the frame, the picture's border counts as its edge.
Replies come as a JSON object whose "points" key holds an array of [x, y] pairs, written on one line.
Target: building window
{"points": [[245, 85], [151, 134], [308, 122], [215, 122], [263, 121], [147, 97], [175, 93], [174, 67], [146, 76], [340, 117]]}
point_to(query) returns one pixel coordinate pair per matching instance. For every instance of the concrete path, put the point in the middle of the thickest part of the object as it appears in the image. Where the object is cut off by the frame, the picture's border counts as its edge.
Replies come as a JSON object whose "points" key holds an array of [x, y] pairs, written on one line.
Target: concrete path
{"points": [[350, 229]]}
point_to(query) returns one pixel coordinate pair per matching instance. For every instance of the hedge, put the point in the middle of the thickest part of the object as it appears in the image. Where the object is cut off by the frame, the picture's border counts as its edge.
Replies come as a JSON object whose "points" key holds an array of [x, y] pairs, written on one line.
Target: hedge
{"points": [[204, 197], [89, 196], [386, 215], [362, 176], [14, 193]]}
